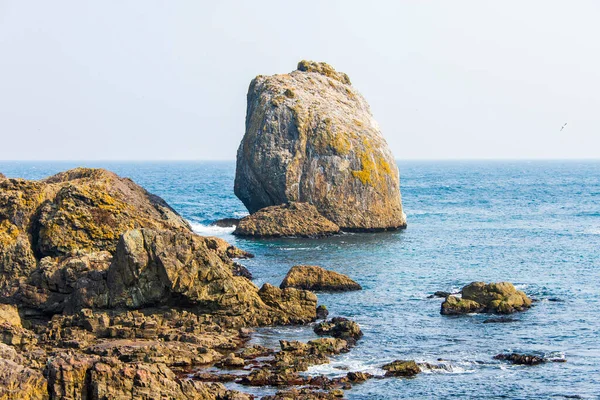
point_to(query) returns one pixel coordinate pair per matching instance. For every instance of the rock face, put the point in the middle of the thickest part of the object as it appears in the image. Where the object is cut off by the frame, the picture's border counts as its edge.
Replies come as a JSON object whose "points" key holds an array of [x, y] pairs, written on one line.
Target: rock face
{"points": [[501, 298], [315, 278], [89, 239], [310, 137], [57, 231], [292, 219]]}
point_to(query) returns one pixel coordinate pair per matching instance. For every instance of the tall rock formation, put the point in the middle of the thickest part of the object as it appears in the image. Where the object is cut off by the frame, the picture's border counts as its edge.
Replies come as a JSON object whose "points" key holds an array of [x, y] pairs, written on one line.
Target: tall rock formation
{"points": [[310, 137]]}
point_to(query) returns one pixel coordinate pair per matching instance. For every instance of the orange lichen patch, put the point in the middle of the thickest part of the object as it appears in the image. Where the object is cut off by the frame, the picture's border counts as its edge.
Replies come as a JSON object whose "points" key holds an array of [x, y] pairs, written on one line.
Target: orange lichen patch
{"points": [[358, 123]]}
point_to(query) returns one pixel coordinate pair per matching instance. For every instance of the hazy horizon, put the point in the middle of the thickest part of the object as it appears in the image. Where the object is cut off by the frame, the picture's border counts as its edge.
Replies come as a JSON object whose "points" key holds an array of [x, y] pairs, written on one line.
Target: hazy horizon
{"points": [[153, 81]]}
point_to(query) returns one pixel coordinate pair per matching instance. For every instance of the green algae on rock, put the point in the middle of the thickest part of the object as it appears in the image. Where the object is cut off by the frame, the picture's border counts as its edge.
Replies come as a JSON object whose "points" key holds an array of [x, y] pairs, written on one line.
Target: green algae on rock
{"points": [[310, 137], [311, 277], [500, 297]]}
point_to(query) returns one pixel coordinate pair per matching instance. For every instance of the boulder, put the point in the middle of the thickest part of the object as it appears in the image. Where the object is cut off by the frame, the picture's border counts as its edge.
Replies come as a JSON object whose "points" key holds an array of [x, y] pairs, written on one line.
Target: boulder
{"points": [[315, 278], [401, 368], [292, 219], [310, 137], [339, 327], [501, 298], [322, 312]]}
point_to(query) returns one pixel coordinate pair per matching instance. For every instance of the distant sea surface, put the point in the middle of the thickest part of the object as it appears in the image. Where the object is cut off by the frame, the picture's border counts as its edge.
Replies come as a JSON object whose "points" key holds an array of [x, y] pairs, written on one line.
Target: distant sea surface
{"points": [[536, 224]]}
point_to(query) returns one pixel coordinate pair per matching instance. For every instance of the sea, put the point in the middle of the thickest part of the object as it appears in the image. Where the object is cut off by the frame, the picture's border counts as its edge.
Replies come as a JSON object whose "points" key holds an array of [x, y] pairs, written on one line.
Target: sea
{"points": [[533, 223]]}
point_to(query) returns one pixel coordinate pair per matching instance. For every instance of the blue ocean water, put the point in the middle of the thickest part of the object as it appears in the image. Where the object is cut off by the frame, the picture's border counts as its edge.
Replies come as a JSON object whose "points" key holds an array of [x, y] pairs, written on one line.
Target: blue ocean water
{"points": [[536, 224]]}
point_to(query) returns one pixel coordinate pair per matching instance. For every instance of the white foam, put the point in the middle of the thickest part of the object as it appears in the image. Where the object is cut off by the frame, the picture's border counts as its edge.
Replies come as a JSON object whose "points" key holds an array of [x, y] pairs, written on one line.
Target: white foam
{"points": [[209, 230]]}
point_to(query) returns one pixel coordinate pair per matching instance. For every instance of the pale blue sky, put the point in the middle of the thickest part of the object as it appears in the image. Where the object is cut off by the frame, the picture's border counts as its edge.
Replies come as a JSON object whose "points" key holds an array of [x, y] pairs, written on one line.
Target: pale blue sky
{"points": [[155, 80]]}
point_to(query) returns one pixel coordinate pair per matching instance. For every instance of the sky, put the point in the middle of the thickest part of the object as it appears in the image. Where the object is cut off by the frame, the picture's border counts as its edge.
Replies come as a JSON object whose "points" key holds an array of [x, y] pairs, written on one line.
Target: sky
{"points": [[162, 80]]}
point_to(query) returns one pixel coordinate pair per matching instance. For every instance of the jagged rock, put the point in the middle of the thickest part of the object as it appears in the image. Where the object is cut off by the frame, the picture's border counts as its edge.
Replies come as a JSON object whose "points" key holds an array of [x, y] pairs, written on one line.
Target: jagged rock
{"points": [[339, 327], [225, 250], [401, 368], [310, 137], [108, 378], [18, 382], [501, 298], [292, 219], [179, 268], [315, 278]]}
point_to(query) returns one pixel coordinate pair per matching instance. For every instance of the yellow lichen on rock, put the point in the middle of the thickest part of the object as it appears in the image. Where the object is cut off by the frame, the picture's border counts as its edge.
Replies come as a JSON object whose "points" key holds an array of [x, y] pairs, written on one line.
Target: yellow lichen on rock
{"points": [[325, 149]]}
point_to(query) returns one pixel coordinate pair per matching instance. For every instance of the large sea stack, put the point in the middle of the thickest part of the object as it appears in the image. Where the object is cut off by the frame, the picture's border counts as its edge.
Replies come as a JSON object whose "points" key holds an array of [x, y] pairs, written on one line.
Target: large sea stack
{"points": [[310, 137]]}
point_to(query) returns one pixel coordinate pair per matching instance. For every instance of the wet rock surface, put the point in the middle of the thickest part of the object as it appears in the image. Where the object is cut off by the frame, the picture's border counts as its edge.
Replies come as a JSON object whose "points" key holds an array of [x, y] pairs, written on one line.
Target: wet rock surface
{"points": [[310, 137], [401, 368], [501, 298], [287, 220], [315, 278], [526, 359]]}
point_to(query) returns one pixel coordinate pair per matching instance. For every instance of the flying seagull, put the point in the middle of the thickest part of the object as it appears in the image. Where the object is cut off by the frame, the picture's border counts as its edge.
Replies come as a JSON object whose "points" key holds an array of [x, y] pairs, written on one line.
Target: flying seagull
{"points": [[563, 127]]}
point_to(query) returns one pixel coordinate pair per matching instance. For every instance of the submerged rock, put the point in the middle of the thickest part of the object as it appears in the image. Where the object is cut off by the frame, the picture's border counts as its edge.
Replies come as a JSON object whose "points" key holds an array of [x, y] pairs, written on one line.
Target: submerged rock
{"points": [[401, 368], [293, 219], [310, 137], [501, 298], [310, 277], [521, 359]]}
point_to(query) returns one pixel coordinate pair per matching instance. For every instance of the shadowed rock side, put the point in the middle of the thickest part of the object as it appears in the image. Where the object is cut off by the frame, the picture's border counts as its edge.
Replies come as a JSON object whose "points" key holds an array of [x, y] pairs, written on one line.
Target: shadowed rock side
{"points": [[315, 278], [58, 231], [293, 219], [500, 297], [310, 137]]}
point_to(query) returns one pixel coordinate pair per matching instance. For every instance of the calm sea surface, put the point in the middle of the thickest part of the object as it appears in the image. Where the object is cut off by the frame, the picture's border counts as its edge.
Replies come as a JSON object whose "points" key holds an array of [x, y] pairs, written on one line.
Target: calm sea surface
{"points": [[536, 224]]}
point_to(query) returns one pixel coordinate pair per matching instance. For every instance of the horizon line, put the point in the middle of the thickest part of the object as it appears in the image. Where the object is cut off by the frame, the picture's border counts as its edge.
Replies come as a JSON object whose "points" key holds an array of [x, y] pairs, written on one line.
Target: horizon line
{"points": [[234, 160]]}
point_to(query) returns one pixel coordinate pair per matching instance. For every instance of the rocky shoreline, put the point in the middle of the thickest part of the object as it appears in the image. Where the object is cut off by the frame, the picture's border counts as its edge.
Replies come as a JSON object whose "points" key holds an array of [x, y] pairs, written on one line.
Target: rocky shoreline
{"points": [[107, 293]]}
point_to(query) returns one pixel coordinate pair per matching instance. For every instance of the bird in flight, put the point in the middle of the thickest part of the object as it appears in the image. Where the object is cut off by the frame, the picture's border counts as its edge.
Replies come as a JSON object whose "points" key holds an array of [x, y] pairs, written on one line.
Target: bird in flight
{"points": [[563, 127]]}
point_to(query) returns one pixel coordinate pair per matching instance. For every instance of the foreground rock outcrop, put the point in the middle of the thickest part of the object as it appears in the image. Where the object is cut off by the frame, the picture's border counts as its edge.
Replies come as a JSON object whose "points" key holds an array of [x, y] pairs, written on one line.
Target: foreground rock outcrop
{"points": [[105, 292], [477, 297], [310, 137], [293, 219], [311, 277]]}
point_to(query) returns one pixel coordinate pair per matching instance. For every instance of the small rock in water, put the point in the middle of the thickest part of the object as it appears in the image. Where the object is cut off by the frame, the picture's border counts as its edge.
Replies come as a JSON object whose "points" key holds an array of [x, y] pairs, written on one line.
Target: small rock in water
{"points": [[226, 222], [311, 277], [556, 300], [358, 377], [322, 312], [521, 359], [341, 328], [401, 368], [499, 297], [239, 270], [439, 294]]}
